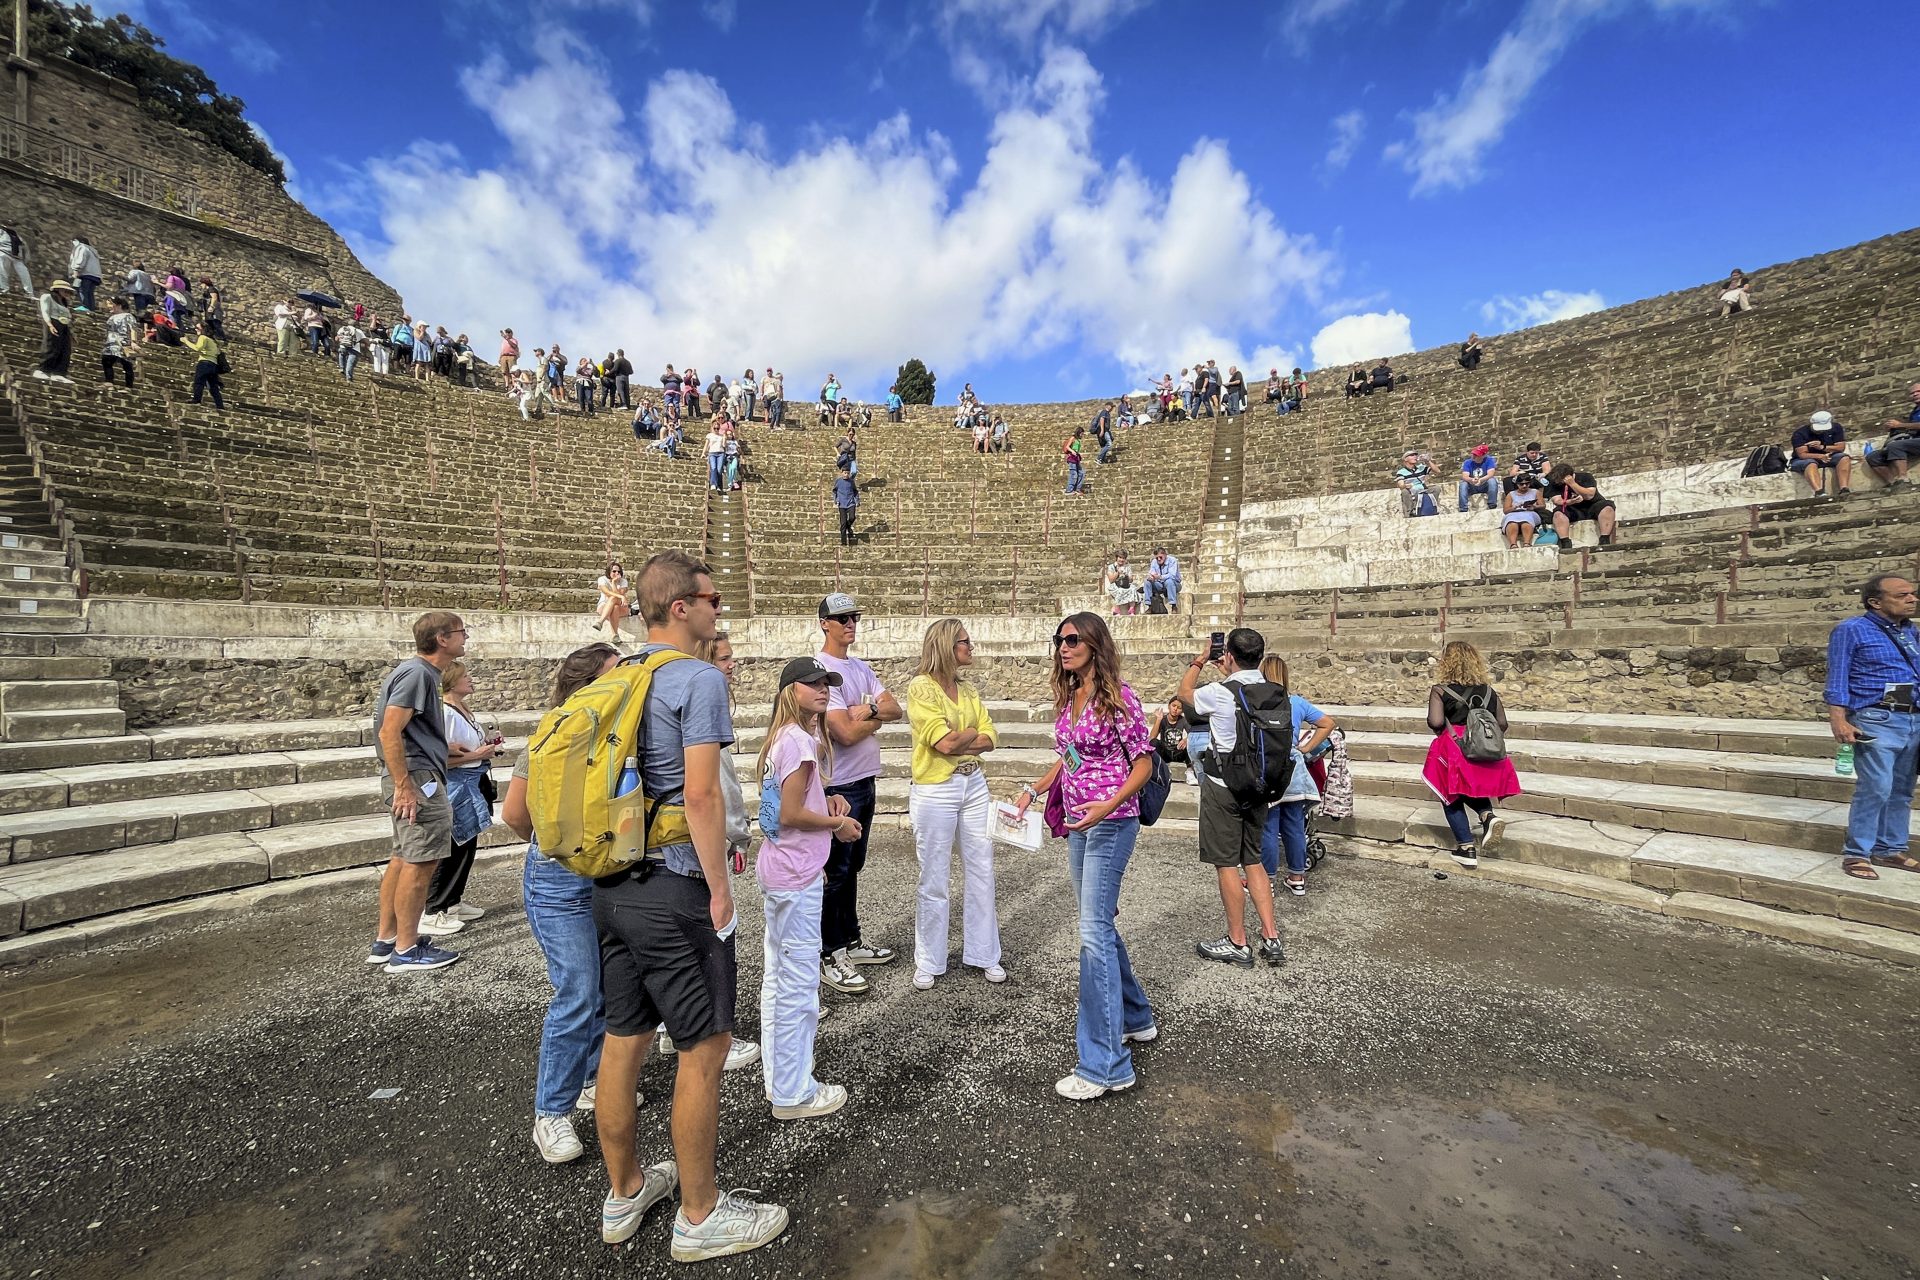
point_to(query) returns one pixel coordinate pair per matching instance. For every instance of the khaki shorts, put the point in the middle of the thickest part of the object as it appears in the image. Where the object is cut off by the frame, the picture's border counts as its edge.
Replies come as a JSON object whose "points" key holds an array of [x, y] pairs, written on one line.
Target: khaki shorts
{"points": [[429, 837]]}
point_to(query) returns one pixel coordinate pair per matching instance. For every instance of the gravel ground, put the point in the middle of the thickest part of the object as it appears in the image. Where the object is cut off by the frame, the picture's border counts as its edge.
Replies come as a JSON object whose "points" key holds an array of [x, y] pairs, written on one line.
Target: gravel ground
{"points": [[1447, 1079]]}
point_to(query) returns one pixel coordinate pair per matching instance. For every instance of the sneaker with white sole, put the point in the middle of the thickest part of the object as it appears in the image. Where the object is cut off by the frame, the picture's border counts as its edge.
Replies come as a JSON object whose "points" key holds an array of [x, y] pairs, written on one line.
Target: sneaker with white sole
{"points": [[441, 924], [837, 972], [620, 1215], [741, 1053], [922, 980], [422, 957], [1467, 856], [43, 375], [466, 911], [1076, 1088], [736, 1225], [1491, 830], [1272, 952], [1226, 951], [994, 973], [865, 953], [381, 951], [826, 1100], [556, 1139], [1145, 1035]]}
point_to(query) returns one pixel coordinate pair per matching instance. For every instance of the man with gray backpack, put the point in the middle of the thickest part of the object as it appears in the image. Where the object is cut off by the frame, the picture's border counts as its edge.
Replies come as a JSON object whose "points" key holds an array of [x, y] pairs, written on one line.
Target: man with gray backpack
{"points": [[1248, 766]]}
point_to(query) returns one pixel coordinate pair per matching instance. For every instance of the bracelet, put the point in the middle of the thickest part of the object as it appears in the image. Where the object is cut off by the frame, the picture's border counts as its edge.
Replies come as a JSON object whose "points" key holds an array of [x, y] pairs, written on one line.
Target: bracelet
{"points": [[1027, 788]]}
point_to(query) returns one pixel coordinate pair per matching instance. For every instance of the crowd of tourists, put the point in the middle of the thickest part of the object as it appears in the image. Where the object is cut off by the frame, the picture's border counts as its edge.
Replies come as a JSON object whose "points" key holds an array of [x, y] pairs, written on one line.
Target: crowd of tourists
{"points": [[1539, 500]]}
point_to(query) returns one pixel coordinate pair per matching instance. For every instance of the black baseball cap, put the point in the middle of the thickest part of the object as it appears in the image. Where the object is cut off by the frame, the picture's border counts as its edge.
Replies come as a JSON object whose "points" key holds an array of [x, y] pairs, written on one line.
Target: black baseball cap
{"points": [[807, 671]]}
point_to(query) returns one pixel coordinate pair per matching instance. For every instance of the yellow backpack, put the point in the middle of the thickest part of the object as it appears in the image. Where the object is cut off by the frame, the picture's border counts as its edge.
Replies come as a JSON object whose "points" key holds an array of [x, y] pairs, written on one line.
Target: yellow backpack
{"points": [[574, 762]]}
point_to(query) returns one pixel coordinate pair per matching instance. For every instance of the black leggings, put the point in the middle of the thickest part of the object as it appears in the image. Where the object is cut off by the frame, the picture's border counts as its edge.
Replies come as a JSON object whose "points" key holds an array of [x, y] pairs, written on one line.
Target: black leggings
{"points": [[450, 877], [106, 368]]}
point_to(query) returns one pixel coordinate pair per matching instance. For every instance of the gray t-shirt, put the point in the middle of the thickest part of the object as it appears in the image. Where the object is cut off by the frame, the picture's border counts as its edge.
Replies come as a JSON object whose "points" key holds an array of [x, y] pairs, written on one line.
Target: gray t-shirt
{"points": [[415, 685], [686, 706]]}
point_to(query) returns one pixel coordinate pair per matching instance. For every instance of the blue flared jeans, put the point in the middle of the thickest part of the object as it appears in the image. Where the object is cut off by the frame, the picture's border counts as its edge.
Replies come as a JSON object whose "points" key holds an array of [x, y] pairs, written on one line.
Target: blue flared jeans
{"points": [[560, 914], [1111, 1002]]}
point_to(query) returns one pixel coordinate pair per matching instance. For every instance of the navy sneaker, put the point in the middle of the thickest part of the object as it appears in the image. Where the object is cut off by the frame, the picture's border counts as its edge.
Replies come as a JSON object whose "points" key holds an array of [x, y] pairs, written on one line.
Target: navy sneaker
{"points": [[423, 956], [381, 951]]}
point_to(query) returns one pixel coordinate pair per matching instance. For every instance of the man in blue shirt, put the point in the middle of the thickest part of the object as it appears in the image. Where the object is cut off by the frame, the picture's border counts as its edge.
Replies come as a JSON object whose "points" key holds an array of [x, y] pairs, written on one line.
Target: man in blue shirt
{"points": [[1163, 579], [846, 497], [893, 404], [1478, 474], [1889, 462], [1873, 666]]}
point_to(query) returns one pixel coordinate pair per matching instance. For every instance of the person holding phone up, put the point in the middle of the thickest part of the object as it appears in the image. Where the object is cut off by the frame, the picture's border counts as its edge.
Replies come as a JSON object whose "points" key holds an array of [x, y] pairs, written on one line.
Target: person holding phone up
{"points": [[1105, 757]]}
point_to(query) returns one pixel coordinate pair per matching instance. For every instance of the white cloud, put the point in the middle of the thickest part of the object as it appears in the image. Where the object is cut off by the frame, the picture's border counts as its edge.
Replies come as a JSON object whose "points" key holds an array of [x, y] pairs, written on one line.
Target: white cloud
{"points": [[721, 13], [1023, 20], [1452, 137], [1300, 17], [1540, 308], [681, 238], [1348, 128], [1362, 338]]}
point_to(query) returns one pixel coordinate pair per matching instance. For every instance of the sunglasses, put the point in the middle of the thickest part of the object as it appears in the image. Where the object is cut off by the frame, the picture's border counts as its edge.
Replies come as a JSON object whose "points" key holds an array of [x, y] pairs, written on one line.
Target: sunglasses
{"points": [[711, 597], [844, 619], [1069, 641]]}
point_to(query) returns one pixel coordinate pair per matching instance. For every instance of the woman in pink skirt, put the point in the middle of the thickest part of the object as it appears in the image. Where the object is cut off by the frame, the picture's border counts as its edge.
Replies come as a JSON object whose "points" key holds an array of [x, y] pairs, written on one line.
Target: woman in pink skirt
{"points": [[1462, 784]]}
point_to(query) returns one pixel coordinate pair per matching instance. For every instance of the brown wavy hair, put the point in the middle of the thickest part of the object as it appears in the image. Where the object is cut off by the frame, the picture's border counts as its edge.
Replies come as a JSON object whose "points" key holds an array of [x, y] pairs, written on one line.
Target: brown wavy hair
{"points": [[578, 670], [1103, 666]]}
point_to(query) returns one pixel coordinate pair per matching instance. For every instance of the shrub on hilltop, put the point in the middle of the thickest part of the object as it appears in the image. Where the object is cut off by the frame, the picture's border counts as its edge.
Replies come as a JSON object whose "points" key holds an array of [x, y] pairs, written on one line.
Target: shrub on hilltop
{"points": [[914, 383]]}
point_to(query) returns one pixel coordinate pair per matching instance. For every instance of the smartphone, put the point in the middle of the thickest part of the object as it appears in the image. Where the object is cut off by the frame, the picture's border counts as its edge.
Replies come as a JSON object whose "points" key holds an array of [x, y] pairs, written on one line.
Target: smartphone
{"points": [[1216, 645]]}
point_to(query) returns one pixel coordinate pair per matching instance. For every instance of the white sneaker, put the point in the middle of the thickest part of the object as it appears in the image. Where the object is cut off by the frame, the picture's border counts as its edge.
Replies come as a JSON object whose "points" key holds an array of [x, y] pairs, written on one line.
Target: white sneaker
{"points": [[42, 375], [826, 1100], [663, 1043], [837, 972], [1075, 1089], [440, 924], [591, 1094], [1145, 1035], [1490, 834], [620, 1215], [741, 1053], [1193, 779], [736, 1225], [556, 1139], [922, 980], [865, 953], [994, 973], [466, 911]]}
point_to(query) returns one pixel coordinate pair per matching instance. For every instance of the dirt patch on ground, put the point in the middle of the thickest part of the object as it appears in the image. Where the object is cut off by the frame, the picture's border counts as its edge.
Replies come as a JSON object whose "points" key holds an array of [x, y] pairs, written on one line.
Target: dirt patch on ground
{"points": [[1447, 1079]]}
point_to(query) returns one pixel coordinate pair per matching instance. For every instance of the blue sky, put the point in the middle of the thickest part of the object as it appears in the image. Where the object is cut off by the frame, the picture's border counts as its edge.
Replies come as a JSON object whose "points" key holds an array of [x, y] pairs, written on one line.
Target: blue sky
{"points": [[1056, 198]]}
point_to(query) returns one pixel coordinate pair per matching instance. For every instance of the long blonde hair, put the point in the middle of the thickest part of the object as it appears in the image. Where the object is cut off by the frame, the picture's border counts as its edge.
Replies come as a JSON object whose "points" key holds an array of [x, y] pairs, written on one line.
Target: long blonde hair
{"points": [[786, 711], [1461, 663], [936, 651]]}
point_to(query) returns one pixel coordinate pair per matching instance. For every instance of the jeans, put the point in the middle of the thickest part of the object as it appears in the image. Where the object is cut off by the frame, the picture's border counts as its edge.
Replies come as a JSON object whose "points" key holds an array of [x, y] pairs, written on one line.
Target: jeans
{"points": [[1168, 587], [840, 902], [1286, 828], [1106, 451], [560, 916], [777, 412], [846, 525], [1076, 476], [348, 359], [1198, 740], [790, 992], [940, 812], [625, 401], [1111, 1002], [1489, 487], [715, 461], [1456, 811], [87, 285], [12, 269], [1186, 400], [1236, 402], [746, 406], [1883, 777]]}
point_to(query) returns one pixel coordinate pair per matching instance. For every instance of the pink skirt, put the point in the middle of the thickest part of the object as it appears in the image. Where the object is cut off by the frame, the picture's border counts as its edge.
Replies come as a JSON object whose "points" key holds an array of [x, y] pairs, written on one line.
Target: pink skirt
{"points": [[1452, 776]]}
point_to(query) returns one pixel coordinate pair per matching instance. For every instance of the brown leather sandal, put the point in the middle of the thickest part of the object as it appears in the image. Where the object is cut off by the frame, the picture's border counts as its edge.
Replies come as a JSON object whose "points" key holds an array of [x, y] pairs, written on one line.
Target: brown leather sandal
{"points": [[1859, 869]]}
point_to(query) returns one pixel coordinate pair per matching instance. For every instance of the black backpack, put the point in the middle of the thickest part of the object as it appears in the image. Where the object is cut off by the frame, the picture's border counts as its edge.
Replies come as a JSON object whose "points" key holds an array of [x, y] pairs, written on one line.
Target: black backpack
{"points": [[1767, 460], [1259, 765]]}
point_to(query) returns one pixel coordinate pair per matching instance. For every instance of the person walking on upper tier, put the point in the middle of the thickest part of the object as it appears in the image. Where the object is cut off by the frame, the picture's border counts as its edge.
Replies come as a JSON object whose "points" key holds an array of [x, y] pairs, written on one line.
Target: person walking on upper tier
{"points": [[56, 333], [13, 261], [471, 748], [800, 822], [347, 340], [948, 803], [1891, 460], [1233, 823], [584, 380], [139, 286], [1873, 671], [856, 709], [846, 500], [83, 267], [1104, 757], [121, 338], [206, 365], [1074, 453], [1818, 447], [411, 730], [1467, 766]]}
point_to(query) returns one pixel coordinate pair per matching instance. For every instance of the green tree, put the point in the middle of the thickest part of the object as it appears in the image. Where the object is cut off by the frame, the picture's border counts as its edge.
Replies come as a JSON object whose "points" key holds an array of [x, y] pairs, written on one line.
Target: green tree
{"points": [[175, 91], [915, 383]]}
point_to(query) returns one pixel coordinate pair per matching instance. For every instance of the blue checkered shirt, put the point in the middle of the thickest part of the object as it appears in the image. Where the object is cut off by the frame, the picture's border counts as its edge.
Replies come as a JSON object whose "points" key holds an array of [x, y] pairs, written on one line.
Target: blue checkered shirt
{"points": [[1863, 658]]}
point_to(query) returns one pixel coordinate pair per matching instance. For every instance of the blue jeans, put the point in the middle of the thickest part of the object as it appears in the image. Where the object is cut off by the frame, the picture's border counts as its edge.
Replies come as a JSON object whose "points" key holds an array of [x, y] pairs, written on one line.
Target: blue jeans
{"points": [[560, 916], [1198, 740], [1457, 822], [1168, 587], [348, 359], [1286, 828], [1883, 776], [1075, 477], [1490, 487], [87, 285], [715, 461], [1111, 1002]]}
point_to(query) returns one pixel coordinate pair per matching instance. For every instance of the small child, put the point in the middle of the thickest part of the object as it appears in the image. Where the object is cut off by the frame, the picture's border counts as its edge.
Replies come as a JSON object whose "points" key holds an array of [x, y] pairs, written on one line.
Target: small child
{"points": [[847, 498], [800, 824]]}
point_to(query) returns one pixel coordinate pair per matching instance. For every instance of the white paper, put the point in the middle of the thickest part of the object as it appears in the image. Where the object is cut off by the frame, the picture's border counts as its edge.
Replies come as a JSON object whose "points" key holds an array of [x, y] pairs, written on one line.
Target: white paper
{"points": [[428, 788], [1026, 833]]}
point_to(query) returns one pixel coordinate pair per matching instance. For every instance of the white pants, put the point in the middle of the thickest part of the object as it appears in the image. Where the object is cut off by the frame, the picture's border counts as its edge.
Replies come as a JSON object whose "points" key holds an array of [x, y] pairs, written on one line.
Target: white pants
{"points": [[790, 992], [11, 269], [940, 811], [382, 356]]}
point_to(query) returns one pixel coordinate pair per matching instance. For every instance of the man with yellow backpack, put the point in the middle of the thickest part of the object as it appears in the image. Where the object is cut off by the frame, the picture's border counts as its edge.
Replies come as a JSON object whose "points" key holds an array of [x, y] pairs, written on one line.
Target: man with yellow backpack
{"points": [[624, 786]]}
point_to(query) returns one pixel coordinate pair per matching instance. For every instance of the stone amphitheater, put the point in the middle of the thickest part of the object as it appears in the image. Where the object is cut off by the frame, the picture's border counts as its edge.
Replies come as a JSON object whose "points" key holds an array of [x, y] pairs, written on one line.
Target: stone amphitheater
{"points": [[196, 607]]}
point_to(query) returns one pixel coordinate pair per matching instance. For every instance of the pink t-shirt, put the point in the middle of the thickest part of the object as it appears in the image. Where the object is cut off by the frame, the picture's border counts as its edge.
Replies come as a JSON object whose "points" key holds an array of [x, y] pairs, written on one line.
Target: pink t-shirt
{"points": [[796, 858], [862, 759], [1097, 753]]}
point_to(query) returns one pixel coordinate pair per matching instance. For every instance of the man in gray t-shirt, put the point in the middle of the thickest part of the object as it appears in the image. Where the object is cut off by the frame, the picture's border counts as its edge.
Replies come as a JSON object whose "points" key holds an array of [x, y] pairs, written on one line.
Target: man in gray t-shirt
{"points": [[411, 732]]}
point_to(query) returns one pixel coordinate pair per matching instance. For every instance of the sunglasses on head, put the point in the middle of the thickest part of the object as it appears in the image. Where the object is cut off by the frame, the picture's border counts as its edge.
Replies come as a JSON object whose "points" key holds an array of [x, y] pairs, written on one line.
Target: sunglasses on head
{"points": [[1068, 641]]}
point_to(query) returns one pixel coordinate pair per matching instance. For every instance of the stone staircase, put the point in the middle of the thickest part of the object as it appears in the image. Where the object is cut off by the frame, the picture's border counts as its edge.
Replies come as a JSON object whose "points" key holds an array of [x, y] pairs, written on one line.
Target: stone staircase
{"points": [[1214, 583], [724, 538]]}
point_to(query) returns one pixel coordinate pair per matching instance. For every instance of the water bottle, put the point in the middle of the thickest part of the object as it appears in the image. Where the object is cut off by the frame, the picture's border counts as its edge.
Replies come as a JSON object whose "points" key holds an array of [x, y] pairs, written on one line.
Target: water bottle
{"points": [[629, 777], [1843, 760]]}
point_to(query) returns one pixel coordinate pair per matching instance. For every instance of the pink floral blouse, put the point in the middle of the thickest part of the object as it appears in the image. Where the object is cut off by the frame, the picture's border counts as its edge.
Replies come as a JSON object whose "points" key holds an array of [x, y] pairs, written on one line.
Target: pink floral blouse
{"points": [[1097, 754]]}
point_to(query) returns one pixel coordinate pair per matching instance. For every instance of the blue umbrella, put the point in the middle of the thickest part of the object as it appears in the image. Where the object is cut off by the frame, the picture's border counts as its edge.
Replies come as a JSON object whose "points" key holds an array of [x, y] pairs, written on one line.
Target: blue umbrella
{"points": [[319, 299]]}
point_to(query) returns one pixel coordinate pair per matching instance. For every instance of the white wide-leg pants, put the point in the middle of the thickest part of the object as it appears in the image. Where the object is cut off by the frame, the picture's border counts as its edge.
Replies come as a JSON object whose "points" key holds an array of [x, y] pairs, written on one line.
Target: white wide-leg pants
{"points": [[942, 812], [790, 992]]}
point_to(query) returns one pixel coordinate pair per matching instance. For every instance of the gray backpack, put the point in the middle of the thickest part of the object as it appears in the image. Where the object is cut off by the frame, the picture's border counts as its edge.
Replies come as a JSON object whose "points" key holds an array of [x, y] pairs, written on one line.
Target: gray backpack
{"points": [[1482, 742]]}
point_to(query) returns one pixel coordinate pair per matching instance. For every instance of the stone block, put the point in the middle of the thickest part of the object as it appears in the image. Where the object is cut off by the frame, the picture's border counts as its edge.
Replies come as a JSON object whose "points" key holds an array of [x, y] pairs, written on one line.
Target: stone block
{"points": [[64, 889], [1849, 936], [325, 846], [1598, 888]]}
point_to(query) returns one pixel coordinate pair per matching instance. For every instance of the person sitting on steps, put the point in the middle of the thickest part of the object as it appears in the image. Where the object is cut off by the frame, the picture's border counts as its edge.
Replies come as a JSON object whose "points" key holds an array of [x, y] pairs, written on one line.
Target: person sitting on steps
{"points": [[1579, 499], [1471, 352], [1889, 462], [1818, 446], [1522, 512]]}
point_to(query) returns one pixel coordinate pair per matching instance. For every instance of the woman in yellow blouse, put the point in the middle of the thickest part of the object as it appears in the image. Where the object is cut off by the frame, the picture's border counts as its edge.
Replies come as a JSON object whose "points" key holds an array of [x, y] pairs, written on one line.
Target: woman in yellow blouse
{"points": [[949, 799]]}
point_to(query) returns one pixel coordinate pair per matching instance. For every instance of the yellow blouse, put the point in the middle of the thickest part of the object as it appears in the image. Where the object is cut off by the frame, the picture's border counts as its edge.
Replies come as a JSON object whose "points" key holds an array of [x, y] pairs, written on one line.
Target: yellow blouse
{"points": [[933, 716]]}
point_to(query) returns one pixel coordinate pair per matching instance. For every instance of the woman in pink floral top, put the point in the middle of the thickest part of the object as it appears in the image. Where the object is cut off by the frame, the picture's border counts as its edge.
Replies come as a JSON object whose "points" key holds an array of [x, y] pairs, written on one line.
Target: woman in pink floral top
{"points": [[1105, 757]]}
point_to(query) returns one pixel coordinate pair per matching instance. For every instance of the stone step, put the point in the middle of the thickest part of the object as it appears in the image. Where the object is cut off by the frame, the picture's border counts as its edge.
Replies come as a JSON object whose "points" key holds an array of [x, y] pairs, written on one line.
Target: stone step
{"points": [[58, 695], [32, 667], [45, 726], [44, 590], [22, 757]]}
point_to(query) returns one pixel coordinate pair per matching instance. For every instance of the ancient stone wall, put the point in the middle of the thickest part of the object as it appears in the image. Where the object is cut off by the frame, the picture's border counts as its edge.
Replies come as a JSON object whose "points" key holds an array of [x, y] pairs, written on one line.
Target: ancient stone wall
{"points": [[198, 208]]}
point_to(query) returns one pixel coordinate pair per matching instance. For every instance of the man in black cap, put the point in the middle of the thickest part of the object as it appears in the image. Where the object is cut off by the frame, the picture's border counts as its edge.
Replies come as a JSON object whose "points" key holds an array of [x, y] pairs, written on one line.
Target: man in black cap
{"points": [[855, 712]]}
